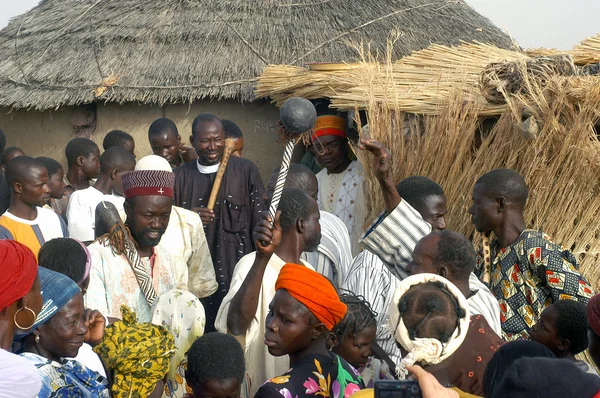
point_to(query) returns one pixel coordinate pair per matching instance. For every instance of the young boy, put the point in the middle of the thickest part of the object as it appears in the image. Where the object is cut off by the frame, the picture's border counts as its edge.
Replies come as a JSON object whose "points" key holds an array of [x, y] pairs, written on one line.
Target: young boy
{"points": [[57, 185], [563, 329], [215, 367]]}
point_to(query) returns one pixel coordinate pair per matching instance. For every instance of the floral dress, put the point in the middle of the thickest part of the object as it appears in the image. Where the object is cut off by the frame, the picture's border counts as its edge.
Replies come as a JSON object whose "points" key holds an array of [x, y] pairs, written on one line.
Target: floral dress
{"points": [[315, 376]]}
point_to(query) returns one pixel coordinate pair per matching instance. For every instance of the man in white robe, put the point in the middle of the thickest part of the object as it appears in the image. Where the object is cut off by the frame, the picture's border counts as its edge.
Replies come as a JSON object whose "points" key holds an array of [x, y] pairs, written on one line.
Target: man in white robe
{"points": [[341, 180], [128, 267], [245, 307]]}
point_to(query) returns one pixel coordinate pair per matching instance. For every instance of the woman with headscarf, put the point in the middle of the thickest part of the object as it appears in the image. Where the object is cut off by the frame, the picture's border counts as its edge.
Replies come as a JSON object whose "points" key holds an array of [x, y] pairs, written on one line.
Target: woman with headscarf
{"points": [[305, 308], [20, 302], [431, 322], [58, 333], [137, 354], [182, 314]]}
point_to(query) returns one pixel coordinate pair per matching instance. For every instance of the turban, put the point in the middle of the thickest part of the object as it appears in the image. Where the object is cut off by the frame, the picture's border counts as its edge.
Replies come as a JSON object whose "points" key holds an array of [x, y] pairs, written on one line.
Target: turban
{"points": [[593, 313], [153, 162], [19, 269], [314, 291], [329, 125], [138, 354], [148, 182], [57, 290], [426, 350]]}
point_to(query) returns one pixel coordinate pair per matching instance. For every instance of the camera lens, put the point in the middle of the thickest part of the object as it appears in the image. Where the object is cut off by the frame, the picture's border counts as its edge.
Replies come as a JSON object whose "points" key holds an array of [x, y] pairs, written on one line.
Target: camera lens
{"points": [[415, 389]]}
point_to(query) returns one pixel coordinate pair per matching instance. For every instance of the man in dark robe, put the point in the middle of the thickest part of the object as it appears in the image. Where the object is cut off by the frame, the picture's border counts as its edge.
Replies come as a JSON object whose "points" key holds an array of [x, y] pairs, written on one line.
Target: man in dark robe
{"points": [[228, 227]]}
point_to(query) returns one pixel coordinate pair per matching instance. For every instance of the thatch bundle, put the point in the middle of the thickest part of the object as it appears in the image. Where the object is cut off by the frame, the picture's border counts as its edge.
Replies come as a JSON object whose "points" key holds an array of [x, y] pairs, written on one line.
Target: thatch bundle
{"points": [[420, 83], [507, 78]]}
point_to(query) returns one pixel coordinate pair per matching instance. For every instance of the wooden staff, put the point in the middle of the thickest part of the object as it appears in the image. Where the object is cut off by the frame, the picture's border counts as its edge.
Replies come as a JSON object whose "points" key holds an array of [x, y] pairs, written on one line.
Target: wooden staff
{"points": [[229, 148]]}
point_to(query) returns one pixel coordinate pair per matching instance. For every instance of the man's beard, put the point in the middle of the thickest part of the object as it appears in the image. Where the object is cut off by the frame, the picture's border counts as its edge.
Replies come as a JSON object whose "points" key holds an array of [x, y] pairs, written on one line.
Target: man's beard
{"points": [[313, 244], [143, 241]]}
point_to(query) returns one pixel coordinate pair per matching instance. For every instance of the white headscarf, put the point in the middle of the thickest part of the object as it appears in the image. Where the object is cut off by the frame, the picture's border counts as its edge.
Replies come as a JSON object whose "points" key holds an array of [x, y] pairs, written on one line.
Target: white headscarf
{"points": [[182, 314], [426, 350]]}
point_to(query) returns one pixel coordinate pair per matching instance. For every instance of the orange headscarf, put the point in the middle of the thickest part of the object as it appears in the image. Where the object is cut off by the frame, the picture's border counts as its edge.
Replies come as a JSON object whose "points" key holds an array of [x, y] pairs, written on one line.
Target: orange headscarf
{"points": [[329, 125], [314, 291]]}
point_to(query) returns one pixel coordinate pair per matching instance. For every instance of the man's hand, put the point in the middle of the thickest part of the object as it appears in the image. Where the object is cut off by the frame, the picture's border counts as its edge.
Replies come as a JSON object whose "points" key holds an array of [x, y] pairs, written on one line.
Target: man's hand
{"points": [[96, 323], [264, 232], [207, 216], [382, 159], [430, 387]]}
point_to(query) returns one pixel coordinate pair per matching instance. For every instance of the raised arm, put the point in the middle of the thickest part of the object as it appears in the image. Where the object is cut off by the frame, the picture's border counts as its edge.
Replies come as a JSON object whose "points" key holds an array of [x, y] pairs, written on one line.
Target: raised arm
{"points": [[245, 302], [382, 167]]}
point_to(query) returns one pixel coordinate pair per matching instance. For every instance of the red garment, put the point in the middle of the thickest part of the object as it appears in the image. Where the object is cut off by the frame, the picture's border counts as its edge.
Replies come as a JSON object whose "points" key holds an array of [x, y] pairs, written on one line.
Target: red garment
{"points": [[314, 291], [148, 182], [593, 313], [19, 269]]}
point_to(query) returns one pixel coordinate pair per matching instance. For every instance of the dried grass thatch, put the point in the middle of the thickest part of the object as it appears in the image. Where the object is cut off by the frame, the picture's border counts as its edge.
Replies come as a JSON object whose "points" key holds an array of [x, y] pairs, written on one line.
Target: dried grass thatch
{"points": [[62, 51], [420, 83]]}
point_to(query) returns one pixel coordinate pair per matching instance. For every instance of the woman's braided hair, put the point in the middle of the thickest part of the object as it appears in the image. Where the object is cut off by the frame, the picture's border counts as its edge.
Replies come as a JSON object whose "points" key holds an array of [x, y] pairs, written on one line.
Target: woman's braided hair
{"points": [[359, 316], [426, 299]]}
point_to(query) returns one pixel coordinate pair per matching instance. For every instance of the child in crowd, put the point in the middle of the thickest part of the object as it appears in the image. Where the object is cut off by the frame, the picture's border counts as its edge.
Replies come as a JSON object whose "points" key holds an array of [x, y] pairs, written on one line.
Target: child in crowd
{"points": [[215, 367], [352, 337], [563, 329]]}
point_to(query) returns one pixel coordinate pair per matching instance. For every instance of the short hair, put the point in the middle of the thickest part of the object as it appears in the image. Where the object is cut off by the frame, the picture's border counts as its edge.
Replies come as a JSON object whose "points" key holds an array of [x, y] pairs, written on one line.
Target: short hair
{"points": [[160, 126], [116, 138], [2, 141], [51, 164], [7, 153], [432, 305], [114, 158], [572, 323], [507, 183], [300, 177], [456, 252], [18, 168], [231, 129], [505, 356], [215, 356], [359, 316], [416, 189], [204, 118], [80, 147], [294, 204], [65, 256]]}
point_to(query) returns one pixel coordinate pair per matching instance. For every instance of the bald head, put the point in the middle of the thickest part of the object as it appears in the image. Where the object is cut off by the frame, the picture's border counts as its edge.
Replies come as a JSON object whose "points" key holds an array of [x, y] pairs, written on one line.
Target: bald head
{"points": [[504, 183], [299, 177]]}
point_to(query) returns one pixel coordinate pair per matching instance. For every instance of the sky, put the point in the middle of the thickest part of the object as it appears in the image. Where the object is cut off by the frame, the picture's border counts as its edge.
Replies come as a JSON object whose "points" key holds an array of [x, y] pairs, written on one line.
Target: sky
{"points": [[532, 23]]}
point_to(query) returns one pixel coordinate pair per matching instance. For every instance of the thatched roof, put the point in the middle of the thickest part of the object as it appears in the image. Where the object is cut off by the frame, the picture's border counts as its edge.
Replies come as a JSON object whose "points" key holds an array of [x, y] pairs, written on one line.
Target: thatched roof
{"points": [[69, 52]]}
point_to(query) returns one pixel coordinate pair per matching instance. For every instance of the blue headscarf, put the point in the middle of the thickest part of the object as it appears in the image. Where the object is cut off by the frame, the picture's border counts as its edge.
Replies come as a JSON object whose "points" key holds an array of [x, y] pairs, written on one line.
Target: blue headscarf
{"points": [[57, 290]]}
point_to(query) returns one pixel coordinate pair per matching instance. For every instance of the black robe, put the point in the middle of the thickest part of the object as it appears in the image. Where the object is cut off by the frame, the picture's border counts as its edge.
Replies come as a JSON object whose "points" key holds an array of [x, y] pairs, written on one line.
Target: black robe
{"points": [[237, 211]]}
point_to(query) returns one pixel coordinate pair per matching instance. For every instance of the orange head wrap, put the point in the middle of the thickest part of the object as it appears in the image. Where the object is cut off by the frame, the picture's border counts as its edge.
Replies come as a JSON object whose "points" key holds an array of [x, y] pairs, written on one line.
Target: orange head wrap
{"points": [[314, 291], [329, 125]]}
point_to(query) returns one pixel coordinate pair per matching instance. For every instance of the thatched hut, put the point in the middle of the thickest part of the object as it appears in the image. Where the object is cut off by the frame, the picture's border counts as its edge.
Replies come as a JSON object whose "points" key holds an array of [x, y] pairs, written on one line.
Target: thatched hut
{"points": [[135, 60]]}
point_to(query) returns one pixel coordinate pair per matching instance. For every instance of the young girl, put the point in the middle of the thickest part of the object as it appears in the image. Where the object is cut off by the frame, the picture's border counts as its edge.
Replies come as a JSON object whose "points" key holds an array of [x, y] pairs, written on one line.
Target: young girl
{"points": [[352, 337]]}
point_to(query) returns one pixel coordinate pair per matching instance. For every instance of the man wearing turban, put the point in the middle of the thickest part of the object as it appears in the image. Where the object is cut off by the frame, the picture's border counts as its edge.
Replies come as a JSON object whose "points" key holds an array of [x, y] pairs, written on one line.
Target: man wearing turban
{"points": [[130, 267], [305, 308], [341, 181]]}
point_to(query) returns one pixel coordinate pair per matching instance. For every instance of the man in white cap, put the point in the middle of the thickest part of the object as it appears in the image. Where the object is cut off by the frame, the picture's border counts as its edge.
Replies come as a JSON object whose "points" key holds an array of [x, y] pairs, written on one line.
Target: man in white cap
{"points": [[129, 266]]}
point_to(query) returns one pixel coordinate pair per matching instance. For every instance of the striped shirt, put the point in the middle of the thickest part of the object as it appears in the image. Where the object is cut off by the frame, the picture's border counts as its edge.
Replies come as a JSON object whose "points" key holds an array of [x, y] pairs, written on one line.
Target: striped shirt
{"points": [[333, 256]]}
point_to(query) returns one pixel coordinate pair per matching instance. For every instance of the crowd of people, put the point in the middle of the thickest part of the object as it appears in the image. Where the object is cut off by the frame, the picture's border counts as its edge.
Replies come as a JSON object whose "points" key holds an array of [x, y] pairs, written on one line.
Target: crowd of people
{"points": [[118, 278]]}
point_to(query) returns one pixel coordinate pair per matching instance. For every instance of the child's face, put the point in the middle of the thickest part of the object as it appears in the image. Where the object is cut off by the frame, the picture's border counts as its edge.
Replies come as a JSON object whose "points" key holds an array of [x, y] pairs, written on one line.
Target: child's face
{"points": [[356, 348], [226, 388], [544, 331]]}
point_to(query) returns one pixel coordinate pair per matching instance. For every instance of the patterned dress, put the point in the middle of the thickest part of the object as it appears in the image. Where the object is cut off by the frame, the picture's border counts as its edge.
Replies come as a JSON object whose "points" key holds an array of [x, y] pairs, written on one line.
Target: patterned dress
{"points": [[528, 276], [67, 379], [315, 376]]}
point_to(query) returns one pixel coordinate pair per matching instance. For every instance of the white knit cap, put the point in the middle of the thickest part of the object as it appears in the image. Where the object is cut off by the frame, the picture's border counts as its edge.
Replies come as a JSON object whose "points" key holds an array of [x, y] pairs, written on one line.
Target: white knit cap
{"points": [[153, 162]]}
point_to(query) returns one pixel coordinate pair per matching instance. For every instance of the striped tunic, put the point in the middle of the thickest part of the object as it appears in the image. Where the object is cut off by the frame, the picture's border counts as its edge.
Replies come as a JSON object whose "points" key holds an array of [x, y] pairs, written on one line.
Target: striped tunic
{"points": [[333, 257]]}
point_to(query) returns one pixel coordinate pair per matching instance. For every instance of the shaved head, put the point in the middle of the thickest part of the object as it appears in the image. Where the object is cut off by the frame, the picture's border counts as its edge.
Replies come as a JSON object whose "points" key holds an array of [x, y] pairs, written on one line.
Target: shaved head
{"points": [[299, 177], [504, 183], [116, 158], [20, 169]]}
